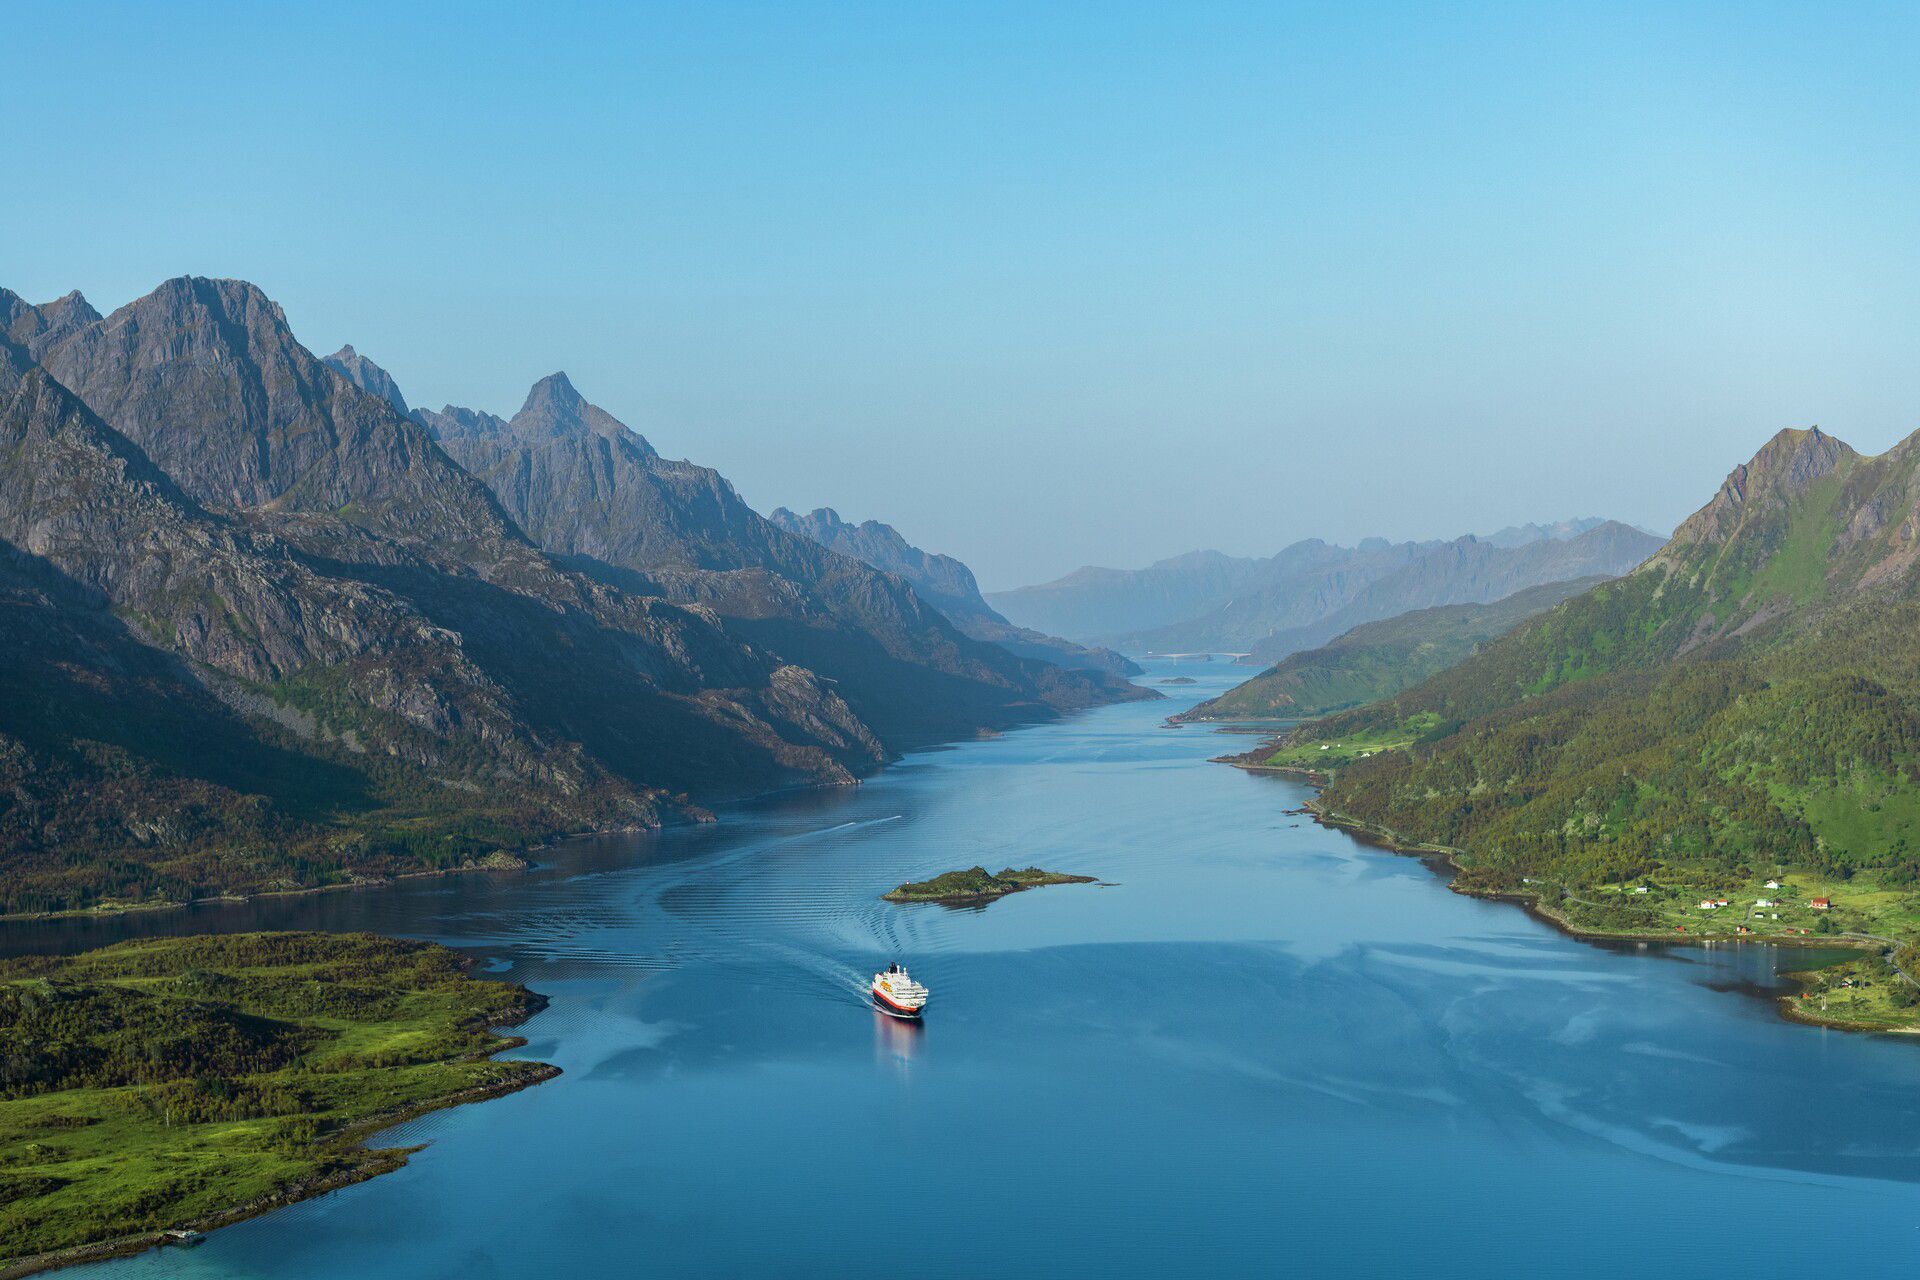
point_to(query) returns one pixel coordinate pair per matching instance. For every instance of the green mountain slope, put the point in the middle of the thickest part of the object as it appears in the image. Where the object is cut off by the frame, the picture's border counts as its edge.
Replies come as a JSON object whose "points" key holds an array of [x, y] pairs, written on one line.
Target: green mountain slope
{"points": [[1744, 706], [1378, 659]]}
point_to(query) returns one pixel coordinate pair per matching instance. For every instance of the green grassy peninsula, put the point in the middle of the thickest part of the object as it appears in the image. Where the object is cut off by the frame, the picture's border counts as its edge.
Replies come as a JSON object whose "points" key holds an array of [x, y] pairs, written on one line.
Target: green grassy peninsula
{"points": [[188, 1083], [978, 885]]}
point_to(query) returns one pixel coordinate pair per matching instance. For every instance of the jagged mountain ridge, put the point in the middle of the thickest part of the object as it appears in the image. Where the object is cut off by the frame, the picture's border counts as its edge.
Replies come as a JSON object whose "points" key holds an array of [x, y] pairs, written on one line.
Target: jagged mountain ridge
{"points": [[1470, 571], [1312, 590], [948, 585], [130, 587], [593, 491], [329, 589]]}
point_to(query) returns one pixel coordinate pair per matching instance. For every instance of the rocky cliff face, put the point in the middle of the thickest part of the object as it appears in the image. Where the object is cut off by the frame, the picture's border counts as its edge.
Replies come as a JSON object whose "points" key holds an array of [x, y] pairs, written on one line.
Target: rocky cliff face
{"points": [[589, 489], [320, 570], [948, 585]]}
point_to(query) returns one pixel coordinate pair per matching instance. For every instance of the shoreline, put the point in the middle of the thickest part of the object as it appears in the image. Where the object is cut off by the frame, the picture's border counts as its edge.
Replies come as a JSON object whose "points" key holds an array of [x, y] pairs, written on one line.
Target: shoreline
{"points": [[380, 1162], [982, 898], [377, 1161], [1444, 861], [518, 860], [499, 860]]}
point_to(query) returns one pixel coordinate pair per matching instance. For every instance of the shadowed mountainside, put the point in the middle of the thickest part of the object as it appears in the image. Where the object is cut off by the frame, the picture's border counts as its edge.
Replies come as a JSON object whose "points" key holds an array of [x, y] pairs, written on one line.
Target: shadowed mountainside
{"points": [[946, 584], [591, 490], [268, 634]]}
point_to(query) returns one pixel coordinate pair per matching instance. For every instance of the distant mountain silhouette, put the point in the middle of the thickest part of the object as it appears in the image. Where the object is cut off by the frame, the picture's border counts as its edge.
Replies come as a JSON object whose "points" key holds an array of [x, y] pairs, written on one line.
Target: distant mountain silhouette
{"points": [[1312, 591]]}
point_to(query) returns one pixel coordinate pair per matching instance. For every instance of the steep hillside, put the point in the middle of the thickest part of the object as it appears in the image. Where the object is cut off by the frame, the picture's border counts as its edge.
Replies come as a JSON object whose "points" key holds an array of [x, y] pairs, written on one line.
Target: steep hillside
{"points": [[354, 674], [589, 489], [946, 584], [1376, 660], [1746, 703]]}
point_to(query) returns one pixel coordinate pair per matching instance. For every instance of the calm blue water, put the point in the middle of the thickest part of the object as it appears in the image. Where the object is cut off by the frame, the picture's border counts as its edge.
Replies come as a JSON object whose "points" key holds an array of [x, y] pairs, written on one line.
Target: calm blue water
{"points": [[1264, 1049]]}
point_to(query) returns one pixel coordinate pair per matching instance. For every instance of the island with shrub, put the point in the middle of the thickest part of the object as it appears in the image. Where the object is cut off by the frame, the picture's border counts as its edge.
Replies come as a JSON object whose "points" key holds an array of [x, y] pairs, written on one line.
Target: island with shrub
{"points": [[977, 885]]}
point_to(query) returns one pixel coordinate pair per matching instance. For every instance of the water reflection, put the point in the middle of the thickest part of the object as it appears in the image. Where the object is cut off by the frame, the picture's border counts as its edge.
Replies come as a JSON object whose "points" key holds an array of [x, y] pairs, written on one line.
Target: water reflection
{"points": [[897, 1041]]}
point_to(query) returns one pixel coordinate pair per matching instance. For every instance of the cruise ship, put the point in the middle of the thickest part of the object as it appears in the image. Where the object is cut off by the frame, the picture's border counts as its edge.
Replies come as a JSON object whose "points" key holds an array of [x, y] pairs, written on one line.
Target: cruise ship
{"points": [[898, 994]]}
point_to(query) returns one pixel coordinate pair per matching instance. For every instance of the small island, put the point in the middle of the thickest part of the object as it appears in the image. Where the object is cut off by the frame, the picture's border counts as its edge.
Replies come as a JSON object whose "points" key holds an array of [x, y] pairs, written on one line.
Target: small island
{"points": [[159, 1088], [1179, 680], [977, 885]]}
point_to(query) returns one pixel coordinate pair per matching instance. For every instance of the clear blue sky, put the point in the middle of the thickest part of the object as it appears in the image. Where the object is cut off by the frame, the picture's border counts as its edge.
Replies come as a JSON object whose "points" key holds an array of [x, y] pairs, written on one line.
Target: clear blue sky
{"points": [[1100, 283]]}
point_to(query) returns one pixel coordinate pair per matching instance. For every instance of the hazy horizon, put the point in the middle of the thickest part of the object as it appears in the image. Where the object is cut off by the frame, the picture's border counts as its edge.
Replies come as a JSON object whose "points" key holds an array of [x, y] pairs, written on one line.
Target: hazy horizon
{"points": [[1088, 286]]}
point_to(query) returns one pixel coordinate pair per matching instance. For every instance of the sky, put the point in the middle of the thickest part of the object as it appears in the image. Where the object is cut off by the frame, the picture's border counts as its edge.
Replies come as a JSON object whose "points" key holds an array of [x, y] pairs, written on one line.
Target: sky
{"points": [[1040, 285]]}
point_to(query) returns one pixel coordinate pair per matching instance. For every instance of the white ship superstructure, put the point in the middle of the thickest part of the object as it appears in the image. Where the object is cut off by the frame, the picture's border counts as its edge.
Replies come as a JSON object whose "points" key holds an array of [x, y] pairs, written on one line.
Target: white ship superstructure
{"points": [[897, 993]]}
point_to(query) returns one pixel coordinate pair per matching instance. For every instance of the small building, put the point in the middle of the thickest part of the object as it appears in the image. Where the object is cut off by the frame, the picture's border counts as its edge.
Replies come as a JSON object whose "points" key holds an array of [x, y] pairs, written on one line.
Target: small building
{"points": [[1639, 888], [1765, 902], [1773, 884], [1708, 904], [1821, 904]]}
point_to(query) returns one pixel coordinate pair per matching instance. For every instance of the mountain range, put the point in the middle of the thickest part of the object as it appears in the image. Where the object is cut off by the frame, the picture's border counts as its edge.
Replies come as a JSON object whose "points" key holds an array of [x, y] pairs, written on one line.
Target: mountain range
{"points": [[1746, 700], [1312, 591], [946, 584], [596, 494], [266, 631], [1376, 660]]}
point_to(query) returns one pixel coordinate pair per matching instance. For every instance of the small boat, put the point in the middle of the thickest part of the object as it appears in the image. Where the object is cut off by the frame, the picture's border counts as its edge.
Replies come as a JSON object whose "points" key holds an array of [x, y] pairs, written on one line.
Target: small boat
{"points": [[898, 994]]}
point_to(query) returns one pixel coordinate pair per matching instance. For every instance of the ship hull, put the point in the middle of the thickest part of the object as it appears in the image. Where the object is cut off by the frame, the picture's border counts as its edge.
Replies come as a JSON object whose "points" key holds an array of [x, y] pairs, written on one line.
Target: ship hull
{"points": [[886, 1005]]}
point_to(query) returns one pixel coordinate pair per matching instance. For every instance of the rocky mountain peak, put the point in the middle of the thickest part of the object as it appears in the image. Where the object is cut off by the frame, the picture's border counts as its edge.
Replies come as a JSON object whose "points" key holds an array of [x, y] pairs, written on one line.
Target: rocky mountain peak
{"points": [[27, 324], [554, 396], [1784, 468], [366, 375], [555, 410], [71, 308], [207, 377]]}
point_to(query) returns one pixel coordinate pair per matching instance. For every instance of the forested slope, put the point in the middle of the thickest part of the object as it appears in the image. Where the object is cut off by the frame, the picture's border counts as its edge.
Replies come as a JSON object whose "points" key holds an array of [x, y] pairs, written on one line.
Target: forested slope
{"points": [[1747, 704]]}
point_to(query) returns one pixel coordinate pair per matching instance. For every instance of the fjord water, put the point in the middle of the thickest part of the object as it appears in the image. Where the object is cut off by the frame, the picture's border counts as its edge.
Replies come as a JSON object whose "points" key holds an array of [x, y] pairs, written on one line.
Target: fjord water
{"points": [[1262, 1048]]}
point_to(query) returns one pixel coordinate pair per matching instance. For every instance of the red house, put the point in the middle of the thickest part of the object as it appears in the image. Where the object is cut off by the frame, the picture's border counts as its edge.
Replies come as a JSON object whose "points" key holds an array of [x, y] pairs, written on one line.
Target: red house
{"points": [[1821, 904]]}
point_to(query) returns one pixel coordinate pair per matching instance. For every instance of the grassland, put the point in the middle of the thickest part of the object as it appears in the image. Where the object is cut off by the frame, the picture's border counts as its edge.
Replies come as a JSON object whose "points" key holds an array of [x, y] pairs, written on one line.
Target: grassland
{"points": [[978, 885], [191, 1082], [1362, 743]]}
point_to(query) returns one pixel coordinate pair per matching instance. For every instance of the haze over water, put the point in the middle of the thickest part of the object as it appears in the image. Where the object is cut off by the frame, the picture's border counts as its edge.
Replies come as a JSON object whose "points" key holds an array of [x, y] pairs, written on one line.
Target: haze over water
{"points": [[1263, 1048]]}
